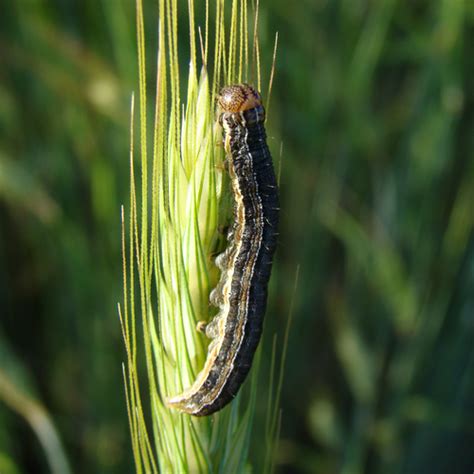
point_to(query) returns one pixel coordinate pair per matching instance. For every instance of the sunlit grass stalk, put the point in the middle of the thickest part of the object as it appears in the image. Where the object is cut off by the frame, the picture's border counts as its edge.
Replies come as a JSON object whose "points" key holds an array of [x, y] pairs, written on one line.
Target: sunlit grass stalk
{"points": [[34, 413], [172, 236]]}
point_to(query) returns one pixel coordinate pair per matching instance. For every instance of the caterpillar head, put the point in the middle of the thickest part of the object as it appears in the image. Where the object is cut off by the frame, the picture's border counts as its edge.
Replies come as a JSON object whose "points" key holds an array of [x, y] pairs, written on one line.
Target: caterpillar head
{"points": [[238, 98]]}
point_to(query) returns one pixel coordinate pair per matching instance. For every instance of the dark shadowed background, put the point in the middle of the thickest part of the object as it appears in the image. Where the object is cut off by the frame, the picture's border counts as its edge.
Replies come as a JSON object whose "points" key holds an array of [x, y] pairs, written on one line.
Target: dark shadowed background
{"points": [[373, 103]]}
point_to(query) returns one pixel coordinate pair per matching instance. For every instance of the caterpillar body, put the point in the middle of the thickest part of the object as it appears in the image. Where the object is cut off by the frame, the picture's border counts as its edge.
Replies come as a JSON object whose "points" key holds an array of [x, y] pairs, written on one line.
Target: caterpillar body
{"points": [[241, 293]]}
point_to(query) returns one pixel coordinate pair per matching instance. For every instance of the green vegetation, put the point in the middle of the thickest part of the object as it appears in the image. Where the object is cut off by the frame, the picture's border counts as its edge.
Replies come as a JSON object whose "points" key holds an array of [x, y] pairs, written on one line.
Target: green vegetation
{"points": [[168, 253], [373, 104]]}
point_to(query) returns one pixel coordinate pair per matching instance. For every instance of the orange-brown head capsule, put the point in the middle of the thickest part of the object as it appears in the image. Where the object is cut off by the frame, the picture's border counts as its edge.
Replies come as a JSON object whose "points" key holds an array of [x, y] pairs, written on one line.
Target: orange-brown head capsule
{"points": [[238, 98]]}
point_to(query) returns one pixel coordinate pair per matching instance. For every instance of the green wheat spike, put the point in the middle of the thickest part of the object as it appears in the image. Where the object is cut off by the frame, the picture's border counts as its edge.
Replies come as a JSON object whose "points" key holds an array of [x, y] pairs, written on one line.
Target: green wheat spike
{"points": [[168, 242]]}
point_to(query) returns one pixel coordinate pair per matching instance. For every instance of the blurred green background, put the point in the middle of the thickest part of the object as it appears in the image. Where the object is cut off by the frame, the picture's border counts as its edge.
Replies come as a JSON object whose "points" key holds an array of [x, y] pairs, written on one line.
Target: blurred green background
{"points": [[373, 103]]}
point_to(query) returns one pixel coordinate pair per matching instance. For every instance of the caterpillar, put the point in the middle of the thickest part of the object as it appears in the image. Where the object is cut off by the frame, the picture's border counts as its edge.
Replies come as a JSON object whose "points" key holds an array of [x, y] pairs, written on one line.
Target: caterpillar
{"points": [[241, 293]]}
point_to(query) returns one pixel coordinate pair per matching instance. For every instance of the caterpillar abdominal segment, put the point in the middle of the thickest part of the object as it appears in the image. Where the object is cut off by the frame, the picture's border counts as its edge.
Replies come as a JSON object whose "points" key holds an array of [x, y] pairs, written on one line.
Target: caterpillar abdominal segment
{"points": [[241, 293]]}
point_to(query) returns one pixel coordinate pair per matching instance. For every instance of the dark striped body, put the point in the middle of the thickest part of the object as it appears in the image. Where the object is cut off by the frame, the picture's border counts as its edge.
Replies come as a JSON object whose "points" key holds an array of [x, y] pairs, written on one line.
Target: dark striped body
{"points": [[241, 293]]}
